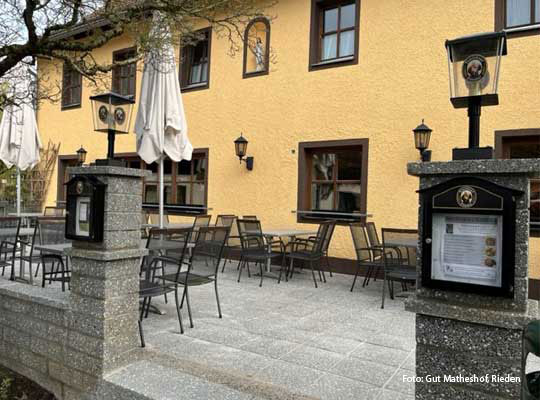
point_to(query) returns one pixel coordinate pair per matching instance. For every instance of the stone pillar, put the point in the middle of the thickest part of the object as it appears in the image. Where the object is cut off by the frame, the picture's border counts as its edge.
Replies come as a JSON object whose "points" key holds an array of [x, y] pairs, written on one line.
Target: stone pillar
{"points": [[465, 335], [105, 279]]}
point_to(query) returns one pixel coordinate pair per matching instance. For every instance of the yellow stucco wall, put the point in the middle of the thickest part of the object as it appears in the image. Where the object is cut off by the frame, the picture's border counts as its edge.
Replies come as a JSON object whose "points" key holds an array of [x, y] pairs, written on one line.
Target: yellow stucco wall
{"points": [[401, 77]]}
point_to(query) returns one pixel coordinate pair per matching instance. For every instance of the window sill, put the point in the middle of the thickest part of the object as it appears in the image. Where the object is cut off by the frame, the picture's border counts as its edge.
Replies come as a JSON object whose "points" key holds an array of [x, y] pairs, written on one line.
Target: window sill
{"points": [[70, 106], [521, 31], [254, 74], [195, 86], [337, 62]]}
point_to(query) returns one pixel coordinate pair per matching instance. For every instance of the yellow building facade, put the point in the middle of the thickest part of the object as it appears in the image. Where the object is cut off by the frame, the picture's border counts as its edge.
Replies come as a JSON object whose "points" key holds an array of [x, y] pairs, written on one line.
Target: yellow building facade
{"points": [[400, 77]]}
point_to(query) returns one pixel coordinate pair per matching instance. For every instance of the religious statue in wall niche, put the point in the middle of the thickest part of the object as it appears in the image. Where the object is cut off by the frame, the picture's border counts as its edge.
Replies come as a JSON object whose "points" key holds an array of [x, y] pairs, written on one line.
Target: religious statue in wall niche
{"points": [[258, 52]]}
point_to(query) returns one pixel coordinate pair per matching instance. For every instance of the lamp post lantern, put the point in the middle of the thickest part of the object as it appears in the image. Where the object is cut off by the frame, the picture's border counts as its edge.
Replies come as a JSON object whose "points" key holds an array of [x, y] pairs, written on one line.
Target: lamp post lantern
{"points": [[111, 114], [474, 64]]}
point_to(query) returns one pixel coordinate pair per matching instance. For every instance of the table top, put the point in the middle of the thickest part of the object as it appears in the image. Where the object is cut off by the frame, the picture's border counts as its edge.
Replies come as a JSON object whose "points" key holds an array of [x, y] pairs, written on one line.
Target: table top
{"points": [[13, 231], [403, 242], [287, 232], [54, 248], [170, 225], [27, 214]]}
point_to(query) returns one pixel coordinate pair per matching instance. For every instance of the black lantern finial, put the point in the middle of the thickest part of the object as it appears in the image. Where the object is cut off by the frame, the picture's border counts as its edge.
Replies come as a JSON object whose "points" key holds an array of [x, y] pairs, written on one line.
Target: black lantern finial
{"points": [[240, 147]]}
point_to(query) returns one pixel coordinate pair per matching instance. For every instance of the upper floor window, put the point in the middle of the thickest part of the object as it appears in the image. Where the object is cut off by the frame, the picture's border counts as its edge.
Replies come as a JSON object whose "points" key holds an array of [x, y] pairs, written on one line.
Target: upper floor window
{"points": [[332, 180], [71, 87], [519, 17], [124, 77], [257, 48], [334, 33], [195, 67]]}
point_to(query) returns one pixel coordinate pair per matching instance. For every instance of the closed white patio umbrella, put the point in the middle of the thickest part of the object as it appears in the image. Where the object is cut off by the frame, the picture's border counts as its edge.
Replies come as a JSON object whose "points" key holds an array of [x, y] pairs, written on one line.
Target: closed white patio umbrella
{"points": [[19, 141], [161, 126]]}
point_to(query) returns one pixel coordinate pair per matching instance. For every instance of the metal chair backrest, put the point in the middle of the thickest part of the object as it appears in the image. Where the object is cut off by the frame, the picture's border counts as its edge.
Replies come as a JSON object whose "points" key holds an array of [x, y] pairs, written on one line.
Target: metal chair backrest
{"points": [[154, 219], [400, 240], [250, 232], [372, 234], [360, 241], [52, 230], [328, 237], [180, 235], [9, 229], [202, 221], [207, 251], [225, 220], [53, 212], [322, 237]]}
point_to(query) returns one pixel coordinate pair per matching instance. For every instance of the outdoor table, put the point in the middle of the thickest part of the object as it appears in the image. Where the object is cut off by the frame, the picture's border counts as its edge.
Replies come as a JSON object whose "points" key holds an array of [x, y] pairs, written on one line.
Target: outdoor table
{"points": [[28, 216], [269, 234], [12, 231], [57, 249]]}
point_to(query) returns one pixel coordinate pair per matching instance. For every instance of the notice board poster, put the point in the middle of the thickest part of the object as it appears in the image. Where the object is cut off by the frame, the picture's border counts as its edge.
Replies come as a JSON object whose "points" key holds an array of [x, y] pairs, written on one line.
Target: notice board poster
{"points": [[467, 249]]}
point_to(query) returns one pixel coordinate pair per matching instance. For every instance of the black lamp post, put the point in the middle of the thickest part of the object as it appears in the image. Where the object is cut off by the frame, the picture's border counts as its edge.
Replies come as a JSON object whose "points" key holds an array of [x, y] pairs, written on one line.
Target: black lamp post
{"points": [[422, 134], [111, 114], [473, 65], [81, 156], [240, 146]]}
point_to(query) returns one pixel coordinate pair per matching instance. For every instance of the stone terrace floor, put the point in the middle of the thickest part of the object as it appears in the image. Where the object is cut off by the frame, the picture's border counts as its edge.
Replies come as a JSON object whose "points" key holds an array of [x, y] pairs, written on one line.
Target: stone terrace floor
{"points": [[285, 341]]}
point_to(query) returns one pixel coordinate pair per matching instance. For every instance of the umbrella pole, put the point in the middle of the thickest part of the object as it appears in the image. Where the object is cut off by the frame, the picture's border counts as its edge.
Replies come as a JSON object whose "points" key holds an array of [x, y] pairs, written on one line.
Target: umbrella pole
{"points": [[161, 192], [18, 192]]}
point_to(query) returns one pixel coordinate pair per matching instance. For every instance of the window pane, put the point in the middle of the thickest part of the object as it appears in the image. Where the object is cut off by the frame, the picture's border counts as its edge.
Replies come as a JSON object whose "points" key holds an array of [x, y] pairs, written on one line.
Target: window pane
{"points": [[535, 203], [204, 72], [322, 196], [167, 194], [518, 12], [150, 194], [346, 44], [196, 73], [184, 171], [330, 20], [182, 194], [525, 150], [167, 170], [349, 197], [323, 166], [198, 194], [199, 169], [537, 11], [350, 166], [329, 49], [348, 16]]}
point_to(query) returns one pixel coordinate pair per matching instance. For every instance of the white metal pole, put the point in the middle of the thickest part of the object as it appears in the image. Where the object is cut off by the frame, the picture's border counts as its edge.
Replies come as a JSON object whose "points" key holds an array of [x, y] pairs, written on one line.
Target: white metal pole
{"points": [[161, 192], [18, 192]]}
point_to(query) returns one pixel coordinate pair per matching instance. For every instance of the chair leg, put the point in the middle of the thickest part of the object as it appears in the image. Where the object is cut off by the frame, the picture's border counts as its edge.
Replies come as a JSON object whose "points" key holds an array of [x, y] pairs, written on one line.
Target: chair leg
{"points": [[322, 271], [383, 290], [262, 273], [391, 289], [141, 333], [354, 280], [313, 273], [178, 310], [328, 266], [241, 267], [217, 299], [188, 305], [281, 269]]}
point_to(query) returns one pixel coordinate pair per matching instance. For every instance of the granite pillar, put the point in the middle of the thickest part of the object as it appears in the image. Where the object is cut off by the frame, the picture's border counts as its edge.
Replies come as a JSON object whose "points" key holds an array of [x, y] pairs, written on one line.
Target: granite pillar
{"points": [[472, 343]]}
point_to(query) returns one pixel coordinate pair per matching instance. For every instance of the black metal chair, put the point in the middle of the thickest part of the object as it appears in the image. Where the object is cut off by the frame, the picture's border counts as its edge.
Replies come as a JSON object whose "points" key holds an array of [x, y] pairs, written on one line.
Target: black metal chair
{"points": [[55, 268], [367, 257], [399, 259], [153, 284], [9, 235], [233, 241], [310, 251], [203, 265], [255, 247], [53, 212]]}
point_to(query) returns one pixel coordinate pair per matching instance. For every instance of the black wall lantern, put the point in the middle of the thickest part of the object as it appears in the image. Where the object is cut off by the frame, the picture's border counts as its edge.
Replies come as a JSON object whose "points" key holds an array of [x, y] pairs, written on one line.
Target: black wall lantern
{"points": [[422, 134], [81, 156], [240, 146], [474, 63], [111, 114]]}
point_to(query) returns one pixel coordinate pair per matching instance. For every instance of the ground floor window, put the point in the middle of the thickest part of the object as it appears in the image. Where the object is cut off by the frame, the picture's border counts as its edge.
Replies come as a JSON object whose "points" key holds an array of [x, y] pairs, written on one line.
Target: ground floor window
{"points": [[332, 179], [522, 143], [185, 182]]}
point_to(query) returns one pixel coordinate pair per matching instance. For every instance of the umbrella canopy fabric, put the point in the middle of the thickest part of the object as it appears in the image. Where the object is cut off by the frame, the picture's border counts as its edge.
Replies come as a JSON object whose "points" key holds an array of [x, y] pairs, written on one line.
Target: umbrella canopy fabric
{"points": [[161, 126], [19, 137]]}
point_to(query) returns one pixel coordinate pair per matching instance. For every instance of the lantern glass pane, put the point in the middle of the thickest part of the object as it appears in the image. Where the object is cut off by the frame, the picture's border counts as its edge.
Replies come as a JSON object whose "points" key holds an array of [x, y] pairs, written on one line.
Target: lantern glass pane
{"points": [[476, 75]]}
